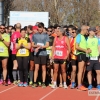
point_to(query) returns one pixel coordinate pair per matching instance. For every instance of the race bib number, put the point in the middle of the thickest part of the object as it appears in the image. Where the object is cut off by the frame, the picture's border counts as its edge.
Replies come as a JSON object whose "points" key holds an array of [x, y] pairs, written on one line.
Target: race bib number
{"points": [[22, 51], [1, 49], [93, 58], [41, 44], [59, 53], [48, 51]]}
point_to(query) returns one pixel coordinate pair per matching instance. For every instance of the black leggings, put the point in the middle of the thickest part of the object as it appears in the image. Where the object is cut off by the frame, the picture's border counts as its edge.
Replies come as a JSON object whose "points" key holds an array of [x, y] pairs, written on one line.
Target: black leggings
{"points": [[23, 68]]}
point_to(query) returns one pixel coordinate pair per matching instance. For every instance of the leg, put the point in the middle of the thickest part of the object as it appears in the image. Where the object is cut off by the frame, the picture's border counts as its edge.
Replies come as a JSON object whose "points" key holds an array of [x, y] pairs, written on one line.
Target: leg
{"points": [[36, 72], [89, 77], [31, 70], [43, 62], [43, 73], [56, 66], [51, 75], [37, 63], [98, 76], [15, 65], [9, 69], [4, 66], [73, 73], [25, 68], [20, 66], [80, 72], [63, 69], [84, 70], [60, 75]]}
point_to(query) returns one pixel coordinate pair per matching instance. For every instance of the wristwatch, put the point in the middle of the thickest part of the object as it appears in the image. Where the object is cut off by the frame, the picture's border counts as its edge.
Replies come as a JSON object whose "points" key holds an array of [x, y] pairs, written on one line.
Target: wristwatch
{"points": [[2, 40]]}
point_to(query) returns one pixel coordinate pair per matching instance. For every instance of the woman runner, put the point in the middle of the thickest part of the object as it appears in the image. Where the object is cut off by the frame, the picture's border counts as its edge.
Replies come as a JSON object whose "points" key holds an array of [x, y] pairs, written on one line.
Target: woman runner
{"points": [[60, 52], [23, 46]]}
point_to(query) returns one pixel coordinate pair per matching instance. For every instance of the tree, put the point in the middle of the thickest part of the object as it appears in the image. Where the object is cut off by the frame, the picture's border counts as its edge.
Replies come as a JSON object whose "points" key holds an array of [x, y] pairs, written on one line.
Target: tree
{"points": [[85, 11], [58, 9], [8, 6], [63, 11]]}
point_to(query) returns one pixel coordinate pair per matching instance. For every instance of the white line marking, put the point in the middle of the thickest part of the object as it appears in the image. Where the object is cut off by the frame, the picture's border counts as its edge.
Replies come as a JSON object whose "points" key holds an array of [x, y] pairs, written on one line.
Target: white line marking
{"points": [[7, 89], [97, 96], [48, 94]]}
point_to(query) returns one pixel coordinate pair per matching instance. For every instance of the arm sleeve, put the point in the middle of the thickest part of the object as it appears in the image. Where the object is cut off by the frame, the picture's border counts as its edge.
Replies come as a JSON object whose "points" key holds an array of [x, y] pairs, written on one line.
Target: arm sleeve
{"points": [[47, 38], [78, 38], [99, 42], [33, 38]]}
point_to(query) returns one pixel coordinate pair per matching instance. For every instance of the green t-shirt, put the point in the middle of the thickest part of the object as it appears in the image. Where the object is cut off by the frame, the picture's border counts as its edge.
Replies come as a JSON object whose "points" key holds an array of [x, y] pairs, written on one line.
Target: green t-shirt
{"points": [[3, 47], [92, 43], [80, 39]]}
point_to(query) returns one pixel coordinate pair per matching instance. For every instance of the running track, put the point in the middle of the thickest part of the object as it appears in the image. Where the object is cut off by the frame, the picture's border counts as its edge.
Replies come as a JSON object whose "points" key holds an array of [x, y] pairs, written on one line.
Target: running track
{"points": [[13, 92]]}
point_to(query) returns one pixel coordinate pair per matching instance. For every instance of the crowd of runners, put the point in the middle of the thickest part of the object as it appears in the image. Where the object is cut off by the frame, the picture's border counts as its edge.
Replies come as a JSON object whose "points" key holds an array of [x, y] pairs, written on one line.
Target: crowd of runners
{"points": [[64, 56]]}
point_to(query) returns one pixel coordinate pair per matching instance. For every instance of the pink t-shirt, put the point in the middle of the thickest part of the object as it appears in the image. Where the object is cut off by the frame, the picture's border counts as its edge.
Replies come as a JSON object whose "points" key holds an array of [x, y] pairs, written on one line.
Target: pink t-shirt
{"points": [[60, 48], [13, 41]]}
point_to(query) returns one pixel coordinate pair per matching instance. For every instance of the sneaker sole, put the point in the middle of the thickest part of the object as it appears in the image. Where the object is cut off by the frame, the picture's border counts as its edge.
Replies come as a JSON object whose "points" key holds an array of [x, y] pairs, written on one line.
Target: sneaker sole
{"points": [[53, 87], [81, 90], [43, 87], [30, 85], [65, 88], [34, 87], [20, 86], [72, 87], [25, 86]]}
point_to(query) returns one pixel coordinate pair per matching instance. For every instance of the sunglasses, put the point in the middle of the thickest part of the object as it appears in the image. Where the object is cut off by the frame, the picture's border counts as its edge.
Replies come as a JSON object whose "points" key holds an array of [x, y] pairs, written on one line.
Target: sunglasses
{"points": [[73, 32], [2, 28], [49, 31]]}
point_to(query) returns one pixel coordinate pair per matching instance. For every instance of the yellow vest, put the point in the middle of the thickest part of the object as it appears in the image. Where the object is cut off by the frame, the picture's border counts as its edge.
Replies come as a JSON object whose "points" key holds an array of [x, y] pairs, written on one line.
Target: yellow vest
{"points": [[23, 52]]}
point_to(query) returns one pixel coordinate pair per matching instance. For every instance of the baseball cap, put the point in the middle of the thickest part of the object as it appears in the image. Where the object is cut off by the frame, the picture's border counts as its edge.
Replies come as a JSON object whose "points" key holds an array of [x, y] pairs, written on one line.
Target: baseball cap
{"points": [[92, 29], [34, 27]]}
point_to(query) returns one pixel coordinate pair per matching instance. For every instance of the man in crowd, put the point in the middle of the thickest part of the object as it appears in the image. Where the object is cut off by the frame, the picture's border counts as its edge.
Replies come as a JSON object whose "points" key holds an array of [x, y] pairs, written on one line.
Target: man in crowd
{"points": [[40, 43]]}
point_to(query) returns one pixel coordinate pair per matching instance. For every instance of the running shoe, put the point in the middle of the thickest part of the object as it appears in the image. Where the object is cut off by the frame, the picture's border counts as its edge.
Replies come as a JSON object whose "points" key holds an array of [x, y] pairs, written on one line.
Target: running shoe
{"points": [[9, 82], [34, 85], [89, 87], [50, 85], [39, 84], [18, 81], [73, 85], [1, 81], [43, 85], [98, 87], [30, 83], [20, 84], [5, 83], [60, 85], [54, 86], [15, 82], [25, 84], [82, 88], [65, 87]]}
